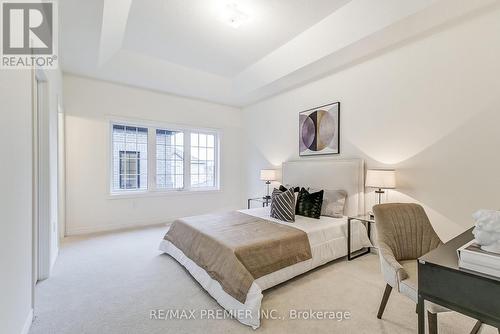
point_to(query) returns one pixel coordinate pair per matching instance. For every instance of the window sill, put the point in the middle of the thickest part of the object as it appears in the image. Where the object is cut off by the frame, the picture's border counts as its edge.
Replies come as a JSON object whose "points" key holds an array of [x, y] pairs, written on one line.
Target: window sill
{"points": [[160, 193]]}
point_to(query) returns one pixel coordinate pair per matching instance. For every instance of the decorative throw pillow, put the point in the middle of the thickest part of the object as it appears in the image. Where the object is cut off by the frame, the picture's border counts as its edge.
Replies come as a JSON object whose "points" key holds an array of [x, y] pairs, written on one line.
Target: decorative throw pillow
{"points": [[295, 189], [333, 203], [309, 204], [283, 205]]}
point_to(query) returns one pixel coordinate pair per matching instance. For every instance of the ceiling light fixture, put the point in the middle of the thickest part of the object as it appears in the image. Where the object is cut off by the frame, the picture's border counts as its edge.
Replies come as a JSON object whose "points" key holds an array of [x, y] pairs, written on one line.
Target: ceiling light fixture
{"points": [[233, 16]]}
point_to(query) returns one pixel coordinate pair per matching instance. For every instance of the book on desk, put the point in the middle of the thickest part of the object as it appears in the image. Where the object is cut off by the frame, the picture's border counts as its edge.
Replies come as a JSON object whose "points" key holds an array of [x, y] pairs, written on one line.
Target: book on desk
{"points": [[472, 257]]}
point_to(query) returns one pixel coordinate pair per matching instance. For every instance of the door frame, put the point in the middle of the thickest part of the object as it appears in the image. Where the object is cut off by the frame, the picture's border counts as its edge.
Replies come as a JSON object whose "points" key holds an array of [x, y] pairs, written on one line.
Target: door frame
{"points": [[34, 190], [41, 178], [61, 171]]}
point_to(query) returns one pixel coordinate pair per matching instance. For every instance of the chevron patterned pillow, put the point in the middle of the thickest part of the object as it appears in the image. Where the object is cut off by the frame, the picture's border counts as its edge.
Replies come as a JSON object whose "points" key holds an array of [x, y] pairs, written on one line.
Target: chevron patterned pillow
{"points": [[283, 205]]}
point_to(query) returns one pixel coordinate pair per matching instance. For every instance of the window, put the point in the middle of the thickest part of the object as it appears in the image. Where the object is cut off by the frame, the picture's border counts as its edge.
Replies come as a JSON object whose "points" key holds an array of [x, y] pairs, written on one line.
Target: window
{"points": [[130, 168], [169, 159], [202, 160], [130, 152], [155, 159]]}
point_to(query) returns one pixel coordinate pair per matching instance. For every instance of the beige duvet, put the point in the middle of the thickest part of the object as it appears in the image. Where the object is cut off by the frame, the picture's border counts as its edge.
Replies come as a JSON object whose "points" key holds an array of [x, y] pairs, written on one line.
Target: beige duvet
{"points": [[235, 248]]}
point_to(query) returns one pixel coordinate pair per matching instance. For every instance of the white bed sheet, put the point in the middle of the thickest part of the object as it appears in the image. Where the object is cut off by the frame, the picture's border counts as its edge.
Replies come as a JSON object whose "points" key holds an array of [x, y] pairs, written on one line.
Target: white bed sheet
{"points": [[327, 238], [328, 241]]}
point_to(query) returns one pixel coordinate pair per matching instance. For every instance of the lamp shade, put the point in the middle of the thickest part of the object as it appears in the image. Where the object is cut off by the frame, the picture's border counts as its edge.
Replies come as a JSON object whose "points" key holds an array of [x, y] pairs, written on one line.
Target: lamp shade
{"points": [[381, 178], [267, 174]]}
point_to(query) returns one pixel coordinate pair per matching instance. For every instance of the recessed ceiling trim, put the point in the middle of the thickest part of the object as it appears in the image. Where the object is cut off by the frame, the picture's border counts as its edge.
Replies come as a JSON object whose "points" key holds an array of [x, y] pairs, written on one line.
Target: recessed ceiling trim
{"points": [[356, 30], [352, 22], [259, 82], [114, 24]]}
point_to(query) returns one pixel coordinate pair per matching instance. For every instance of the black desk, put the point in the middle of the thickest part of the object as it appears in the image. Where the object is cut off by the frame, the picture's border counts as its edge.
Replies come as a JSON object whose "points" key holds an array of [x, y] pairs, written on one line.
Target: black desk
{"points": [[442, 282]]}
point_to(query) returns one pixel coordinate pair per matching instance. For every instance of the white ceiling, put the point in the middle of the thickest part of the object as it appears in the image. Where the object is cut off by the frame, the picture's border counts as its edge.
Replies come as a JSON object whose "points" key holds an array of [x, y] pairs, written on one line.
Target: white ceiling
{"points": [[189, 33], [182, 46]]}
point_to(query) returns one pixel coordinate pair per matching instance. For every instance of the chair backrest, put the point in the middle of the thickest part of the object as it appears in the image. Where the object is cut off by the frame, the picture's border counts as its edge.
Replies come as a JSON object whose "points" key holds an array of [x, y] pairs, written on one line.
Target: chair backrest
{"points": [[406, 229]]}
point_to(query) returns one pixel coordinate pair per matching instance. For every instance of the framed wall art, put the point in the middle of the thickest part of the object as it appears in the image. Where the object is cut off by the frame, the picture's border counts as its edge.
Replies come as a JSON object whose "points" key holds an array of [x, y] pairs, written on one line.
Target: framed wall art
{"points": [[319, 130]]}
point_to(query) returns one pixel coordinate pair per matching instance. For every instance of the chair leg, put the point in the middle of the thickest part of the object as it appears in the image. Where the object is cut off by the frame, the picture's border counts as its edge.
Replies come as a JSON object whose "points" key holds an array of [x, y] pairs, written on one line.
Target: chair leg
{"points": [[433, 322], [476, 327], [385, 298]]}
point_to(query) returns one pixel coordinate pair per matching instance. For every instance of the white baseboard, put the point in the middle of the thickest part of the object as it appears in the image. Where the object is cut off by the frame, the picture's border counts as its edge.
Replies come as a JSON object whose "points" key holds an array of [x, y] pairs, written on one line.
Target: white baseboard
{"points": [[27, 323], [113, 227]]}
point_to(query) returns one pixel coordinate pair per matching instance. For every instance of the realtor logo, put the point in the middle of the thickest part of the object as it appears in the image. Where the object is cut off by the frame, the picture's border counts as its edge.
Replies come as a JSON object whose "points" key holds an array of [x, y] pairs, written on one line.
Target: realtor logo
{"points": [[28, 34]]}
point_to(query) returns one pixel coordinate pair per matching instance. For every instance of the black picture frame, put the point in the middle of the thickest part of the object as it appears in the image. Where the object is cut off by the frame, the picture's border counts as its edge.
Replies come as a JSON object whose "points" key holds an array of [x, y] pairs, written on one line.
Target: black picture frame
{"points": [[328, 150]]}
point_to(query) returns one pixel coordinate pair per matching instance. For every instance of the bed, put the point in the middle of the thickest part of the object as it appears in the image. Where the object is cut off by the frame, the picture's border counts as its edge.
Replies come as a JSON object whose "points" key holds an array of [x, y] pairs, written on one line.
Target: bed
{"points": [[326, 237]]}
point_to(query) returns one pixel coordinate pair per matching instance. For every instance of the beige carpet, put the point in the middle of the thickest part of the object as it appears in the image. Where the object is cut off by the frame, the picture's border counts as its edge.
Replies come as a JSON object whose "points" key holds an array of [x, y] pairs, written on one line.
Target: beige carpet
{"points": [[108, 283]]}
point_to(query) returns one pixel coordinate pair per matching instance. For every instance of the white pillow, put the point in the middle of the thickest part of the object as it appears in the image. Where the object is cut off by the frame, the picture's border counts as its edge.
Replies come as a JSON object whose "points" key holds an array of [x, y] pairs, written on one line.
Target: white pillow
{"points": [[333, 203]]}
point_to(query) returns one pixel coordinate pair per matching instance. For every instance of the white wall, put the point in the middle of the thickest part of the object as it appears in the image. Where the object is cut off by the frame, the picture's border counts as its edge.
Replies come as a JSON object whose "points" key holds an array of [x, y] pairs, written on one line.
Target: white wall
{"points": [[429, 108], [16, 227], [89, 105], [15, 200]]}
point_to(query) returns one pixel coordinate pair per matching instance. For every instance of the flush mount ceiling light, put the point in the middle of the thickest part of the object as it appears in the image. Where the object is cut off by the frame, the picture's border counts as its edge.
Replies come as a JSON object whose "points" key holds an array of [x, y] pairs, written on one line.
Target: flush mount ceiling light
{"points": [[233, 16]]}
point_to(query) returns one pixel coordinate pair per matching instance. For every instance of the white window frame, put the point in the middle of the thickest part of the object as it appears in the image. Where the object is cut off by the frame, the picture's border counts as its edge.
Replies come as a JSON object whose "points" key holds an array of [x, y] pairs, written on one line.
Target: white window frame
{"points": [[187, 165], [152, 189]]}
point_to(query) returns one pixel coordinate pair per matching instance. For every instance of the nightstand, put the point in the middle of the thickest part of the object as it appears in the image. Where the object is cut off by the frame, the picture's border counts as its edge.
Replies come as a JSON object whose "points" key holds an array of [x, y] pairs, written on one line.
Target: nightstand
{"points": [[367, 221], [265, 201]]}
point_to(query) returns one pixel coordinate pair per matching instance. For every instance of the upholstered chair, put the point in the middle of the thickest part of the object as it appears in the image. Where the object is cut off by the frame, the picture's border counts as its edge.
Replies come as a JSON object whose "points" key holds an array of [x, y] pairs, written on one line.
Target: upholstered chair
{"points": [[405, 234]]}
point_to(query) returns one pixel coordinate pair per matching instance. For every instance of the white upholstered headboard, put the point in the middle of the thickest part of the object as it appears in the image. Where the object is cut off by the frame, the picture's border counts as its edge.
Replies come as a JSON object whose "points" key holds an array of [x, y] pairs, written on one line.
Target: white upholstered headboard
{"points": [[331, 174]]}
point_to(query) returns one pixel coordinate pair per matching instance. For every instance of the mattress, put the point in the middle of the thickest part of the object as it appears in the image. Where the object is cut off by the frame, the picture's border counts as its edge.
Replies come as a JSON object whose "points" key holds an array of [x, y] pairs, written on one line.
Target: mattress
{"points": [[327, 238]]}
